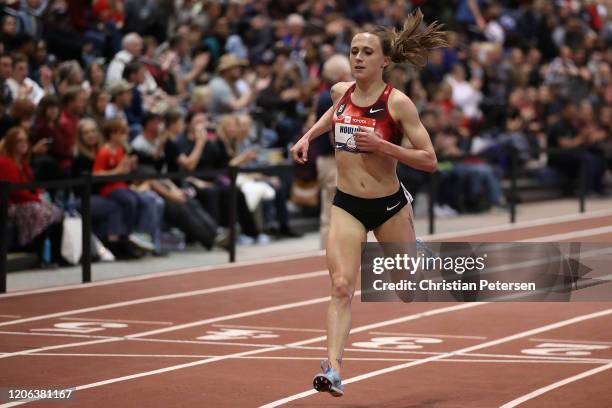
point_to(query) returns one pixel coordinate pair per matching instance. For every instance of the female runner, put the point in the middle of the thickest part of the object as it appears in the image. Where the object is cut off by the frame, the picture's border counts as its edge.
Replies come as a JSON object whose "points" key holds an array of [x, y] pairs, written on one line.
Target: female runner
{"points": [[369, 118]]}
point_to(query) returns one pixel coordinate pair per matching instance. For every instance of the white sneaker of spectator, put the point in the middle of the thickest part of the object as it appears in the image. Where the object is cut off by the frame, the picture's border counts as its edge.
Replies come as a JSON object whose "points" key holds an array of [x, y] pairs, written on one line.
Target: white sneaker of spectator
{"points": [[263, 239], [142, 241], [105, 255], [444, 211], [245, 240]]}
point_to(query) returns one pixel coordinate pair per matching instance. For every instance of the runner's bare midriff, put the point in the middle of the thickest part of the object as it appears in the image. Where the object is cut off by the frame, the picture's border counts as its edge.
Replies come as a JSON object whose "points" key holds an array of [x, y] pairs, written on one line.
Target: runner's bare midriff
{"points": [[366, 175]]}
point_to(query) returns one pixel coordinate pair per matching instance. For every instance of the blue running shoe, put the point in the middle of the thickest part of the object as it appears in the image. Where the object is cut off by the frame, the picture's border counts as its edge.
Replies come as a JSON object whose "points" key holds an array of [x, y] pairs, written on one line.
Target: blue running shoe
{"points": [[328, 381], [422, 248]]}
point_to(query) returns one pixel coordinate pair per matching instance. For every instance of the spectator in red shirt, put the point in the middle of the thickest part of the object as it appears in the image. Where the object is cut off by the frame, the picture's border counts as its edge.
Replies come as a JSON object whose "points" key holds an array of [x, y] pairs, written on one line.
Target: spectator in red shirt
{"points": [[74, 102], [35, 218], [109, 11], [112, 159]]}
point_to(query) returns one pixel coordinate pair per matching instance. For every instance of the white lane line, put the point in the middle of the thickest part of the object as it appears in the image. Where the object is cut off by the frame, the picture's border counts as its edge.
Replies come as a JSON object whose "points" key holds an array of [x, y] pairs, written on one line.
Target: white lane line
{"points": [[429, 335], [437, 353], [79, 336], [10, 316], [520, 225], [572, 341], [178, 295], [296, 329], [502, 340], [88, 319], [208, 343], [367, 327], [119, 338], [173, 273], [571, 235], [448, 360], [314, 254], [558, 384], [384, 323], [178, 327]]}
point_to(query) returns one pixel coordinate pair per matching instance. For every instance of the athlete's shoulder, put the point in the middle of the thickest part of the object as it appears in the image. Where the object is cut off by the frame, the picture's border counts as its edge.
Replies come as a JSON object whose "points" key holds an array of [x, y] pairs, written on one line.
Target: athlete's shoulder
{"points": [[339, 89], [400, 104]]}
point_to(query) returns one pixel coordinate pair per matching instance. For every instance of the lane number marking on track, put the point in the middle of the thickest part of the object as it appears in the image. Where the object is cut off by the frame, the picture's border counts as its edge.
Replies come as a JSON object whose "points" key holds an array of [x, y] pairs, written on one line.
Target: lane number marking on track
{"points": [[224, 334], [81, 327], [563, 349], [397, 343]]}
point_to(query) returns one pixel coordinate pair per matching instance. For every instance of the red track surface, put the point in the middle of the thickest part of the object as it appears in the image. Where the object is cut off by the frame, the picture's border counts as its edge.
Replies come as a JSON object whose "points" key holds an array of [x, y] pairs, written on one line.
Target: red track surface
{"points": [[253, 334]]}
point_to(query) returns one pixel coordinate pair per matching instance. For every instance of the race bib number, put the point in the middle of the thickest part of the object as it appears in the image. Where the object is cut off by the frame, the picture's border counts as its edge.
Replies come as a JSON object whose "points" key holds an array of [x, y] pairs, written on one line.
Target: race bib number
{"points": [[346, 127]]}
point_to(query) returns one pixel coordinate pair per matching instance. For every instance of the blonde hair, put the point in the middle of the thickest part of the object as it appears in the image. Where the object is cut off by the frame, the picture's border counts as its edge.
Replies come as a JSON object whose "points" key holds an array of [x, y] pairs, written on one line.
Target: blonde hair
{"points": [[81, 147], [200, 97], [410, 44]]}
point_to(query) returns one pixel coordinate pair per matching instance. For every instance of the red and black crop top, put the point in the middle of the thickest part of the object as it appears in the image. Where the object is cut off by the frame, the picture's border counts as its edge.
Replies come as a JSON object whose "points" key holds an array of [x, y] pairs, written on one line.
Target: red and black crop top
{"points": [[348, 118]]}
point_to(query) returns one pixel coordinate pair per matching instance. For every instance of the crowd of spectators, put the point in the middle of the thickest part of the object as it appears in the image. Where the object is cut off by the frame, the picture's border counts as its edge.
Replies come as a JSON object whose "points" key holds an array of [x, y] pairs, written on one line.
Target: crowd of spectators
{"points": [[118, 86]]}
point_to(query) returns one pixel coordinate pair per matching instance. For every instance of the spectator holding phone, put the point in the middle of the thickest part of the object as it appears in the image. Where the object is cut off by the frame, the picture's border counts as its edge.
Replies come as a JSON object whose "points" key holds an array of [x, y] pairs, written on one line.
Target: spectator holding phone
{"points": [[47, 141]]}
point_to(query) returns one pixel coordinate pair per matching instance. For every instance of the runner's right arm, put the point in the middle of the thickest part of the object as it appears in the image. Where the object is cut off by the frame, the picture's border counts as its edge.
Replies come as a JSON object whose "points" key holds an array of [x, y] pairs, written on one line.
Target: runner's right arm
{"points": [[299, 151]]}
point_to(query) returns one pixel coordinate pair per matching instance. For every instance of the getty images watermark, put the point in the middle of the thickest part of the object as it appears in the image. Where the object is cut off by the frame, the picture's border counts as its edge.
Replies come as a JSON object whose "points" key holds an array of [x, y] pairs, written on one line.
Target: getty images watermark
{"points": [[421, 262], [485, 272]]}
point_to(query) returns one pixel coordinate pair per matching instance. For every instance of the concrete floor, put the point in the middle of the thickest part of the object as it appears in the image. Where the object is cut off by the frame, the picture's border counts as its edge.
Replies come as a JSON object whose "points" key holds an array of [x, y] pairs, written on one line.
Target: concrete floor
{"points": [[196, 256]]}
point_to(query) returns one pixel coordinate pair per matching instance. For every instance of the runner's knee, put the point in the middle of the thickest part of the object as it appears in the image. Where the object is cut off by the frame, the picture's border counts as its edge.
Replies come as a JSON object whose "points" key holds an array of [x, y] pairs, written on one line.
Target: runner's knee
{"points": [[342, 288]]}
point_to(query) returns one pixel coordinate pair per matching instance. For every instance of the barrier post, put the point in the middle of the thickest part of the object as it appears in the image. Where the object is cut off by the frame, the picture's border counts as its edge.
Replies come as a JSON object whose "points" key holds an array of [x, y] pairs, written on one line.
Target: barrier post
{"points": [[232, 213], [582, 188], [86, 228], [513, 177], [4, 196], [431, 200]]}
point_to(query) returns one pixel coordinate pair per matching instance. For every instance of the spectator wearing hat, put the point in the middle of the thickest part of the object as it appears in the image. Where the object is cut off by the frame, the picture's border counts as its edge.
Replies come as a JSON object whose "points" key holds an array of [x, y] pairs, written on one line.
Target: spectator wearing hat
{"points": [[121, 99], [229, 92]]}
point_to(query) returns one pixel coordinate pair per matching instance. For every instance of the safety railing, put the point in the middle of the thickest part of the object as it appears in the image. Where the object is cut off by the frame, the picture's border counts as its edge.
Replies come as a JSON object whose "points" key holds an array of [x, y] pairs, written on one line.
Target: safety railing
{"points": [[86, 181], [512, 192]]}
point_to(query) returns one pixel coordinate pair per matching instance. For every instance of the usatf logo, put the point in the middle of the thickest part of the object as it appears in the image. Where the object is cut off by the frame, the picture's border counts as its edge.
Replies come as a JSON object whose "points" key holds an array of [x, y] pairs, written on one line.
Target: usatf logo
{"points": [[351, 144], [347, 119], [341, 109]]}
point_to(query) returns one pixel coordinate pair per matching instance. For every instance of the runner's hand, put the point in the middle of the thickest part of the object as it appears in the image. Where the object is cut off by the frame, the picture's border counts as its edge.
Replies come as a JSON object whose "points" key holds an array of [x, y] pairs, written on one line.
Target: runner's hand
{"points": [[368, 141], [299, 151]]}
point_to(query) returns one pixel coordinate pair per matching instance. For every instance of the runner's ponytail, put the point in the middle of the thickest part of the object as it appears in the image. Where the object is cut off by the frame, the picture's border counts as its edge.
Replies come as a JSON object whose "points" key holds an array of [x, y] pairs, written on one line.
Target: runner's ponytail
{"points": [[410, 44]]}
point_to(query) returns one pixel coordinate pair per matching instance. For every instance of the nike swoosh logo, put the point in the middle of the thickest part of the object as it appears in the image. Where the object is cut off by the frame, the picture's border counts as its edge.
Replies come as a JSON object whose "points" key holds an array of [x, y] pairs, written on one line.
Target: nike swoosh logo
{"points": [[390, 208], [375, 110]]}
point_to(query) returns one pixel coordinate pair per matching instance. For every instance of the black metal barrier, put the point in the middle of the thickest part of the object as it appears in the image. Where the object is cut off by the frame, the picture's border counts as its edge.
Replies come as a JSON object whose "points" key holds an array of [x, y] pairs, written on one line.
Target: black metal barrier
{"points": [[513, 174], [87, 180]]}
